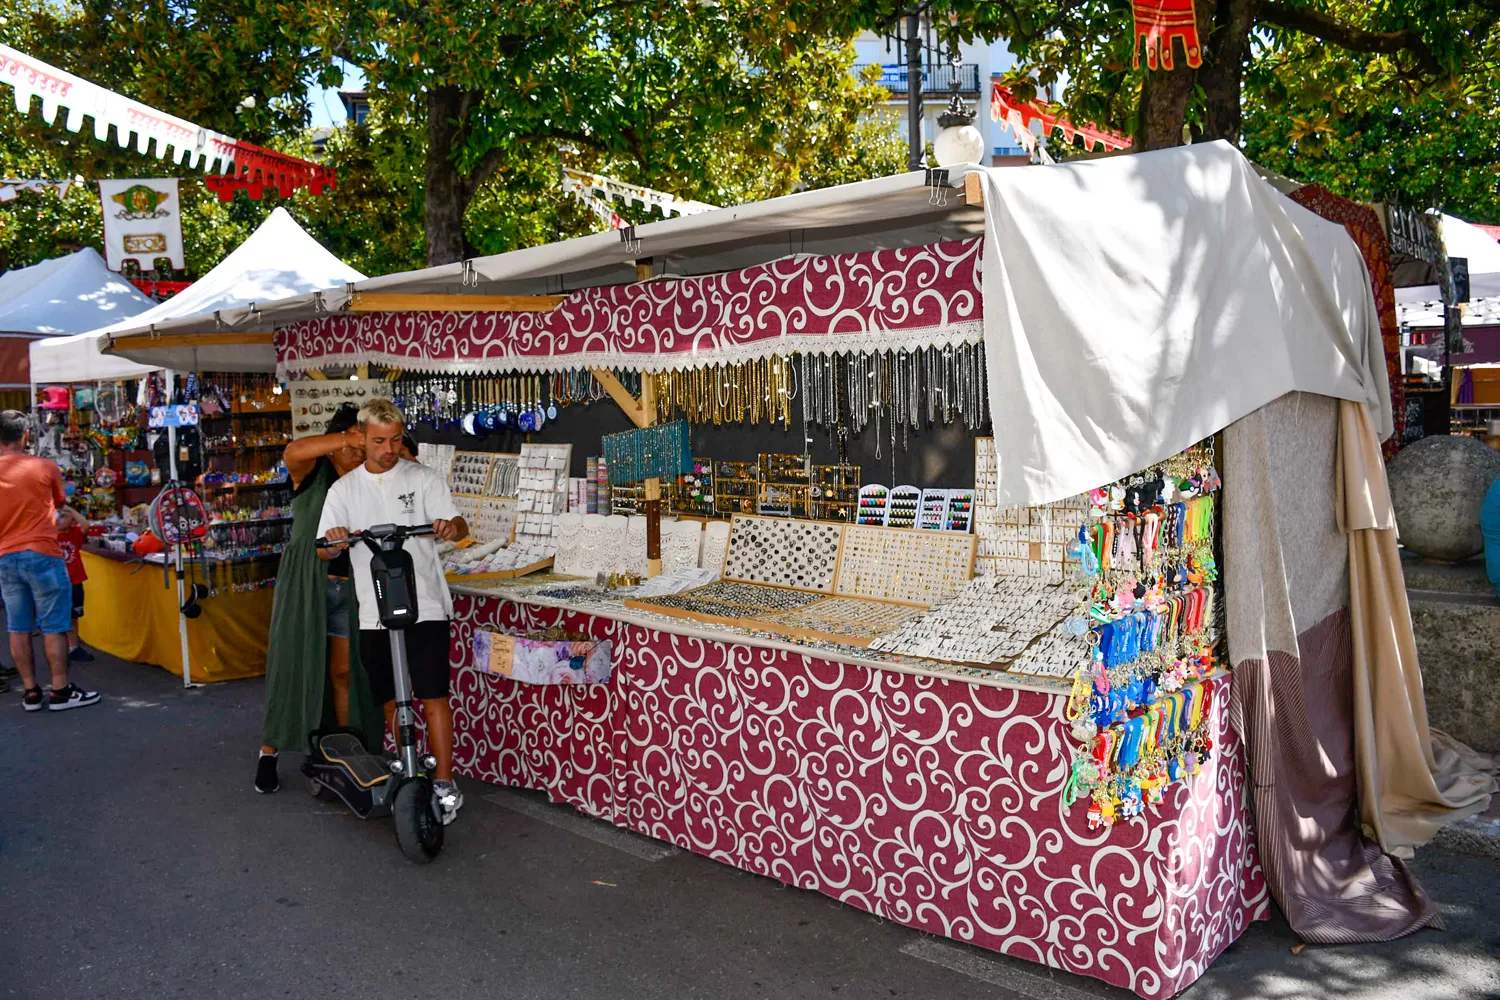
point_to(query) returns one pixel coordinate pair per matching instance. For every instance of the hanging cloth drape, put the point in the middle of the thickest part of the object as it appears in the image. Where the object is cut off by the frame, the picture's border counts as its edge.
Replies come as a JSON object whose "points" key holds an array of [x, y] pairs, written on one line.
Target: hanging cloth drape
{"points": [[1298, 692], [1410, 784]]}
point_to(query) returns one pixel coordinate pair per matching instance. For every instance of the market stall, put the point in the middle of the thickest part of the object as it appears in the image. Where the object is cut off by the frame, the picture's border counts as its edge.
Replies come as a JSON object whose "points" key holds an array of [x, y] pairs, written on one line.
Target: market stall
{"points": [[1046, 758], [123, 430]]}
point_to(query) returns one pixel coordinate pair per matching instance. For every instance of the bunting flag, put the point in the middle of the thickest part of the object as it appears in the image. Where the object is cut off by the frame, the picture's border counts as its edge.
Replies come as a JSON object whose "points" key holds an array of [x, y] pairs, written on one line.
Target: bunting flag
{"points": [[249, 167], [1157, 23], [1019, 115], [11, 187], [598, 192]]}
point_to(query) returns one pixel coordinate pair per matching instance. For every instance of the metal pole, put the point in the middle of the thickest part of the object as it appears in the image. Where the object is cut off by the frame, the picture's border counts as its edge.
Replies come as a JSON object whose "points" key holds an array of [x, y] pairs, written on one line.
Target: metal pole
{"points": [[914, 116], [182, 622]]}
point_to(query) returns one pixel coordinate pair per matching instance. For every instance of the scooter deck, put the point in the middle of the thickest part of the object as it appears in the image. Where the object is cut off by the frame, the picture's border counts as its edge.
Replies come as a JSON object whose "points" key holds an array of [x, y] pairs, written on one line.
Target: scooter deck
{"points": [[366, 769]]}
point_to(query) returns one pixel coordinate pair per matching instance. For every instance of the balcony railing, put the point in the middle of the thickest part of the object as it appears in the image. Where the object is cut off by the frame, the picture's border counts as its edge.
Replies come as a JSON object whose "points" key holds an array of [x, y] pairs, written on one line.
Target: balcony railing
{"points": [[936, 80]]}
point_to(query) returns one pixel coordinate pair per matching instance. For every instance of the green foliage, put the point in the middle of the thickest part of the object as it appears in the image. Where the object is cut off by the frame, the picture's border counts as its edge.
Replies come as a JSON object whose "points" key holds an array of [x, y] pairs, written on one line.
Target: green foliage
{"points": [[1347, 122]]}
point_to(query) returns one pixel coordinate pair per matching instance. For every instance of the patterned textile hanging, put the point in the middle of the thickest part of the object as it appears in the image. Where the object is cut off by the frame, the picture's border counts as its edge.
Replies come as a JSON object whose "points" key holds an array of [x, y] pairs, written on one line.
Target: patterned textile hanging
{"points": [[1157, 22]]}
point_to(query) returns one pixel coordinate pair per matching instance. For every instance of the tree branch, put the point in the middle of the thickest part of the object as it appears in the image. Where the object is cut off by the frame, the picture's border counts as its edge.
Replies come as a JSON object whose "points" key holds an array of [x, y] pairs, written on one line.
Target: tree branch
{"points": [[1347, 36]]}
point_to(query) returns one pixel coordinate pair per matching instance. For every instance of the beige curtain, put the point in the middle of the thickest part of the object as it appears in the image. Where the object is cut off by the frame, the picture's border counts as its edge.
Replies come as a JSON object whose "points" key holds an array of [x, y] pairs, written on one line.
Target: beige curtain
{"points": [[1408, 786]]}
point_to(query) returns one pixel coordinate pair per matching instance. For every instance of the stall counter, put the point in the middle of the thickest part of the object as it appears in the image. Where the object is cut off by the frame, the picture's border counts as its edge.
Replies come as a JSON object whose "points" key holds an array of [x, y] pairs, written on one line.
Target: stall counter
{"points": [[934, 802], [128, 613]]}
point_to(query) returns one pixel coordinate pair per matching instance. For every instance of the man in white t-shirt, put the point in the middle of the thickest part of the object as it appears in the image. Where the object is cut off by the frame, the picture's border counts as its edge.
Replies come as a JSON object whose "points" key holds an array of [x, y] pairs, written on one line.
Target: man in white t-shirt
{"points": [[386, 489]]}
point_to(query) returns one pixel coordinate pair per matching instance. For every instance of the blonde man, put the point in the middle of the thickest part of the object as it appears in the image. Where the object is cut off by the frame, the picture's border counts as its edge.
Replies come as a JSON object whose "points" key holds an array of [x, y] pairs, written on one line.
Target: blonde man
{"points": [[388, 490]]}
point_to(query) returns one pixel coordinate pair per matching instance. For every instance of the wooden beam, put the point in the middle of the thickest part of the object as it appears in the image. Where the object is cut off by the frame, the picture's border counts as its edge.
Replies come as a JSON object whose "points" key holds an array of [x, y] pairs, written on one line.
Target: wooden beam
{"points": [[621, 395], [145, 340], [363, 371], [973, 189], [378, 302], [316, 374]]}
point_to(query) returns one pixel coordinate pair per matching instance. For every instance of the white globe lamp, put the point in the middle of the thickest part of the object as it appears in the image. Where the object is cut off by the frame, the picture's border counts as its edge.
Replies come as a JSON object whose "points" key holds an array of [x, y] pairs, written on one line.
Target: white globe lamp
{"points": [[958, 141]]}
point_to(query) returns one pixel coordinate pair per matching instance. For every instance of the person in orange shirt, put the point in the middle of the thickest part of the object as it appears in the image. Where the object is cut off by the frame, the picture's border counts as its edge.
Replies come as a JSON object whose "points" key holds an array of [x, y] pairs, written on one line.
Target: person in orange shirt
{"points": [[33, 575]]}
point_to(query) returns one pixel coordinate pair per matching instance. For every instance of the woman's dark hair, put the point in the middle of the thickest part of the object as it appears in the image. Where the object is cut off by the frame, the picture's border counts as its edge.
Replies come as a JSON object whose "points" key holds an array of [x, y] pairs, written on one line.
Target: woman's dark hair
{"points": [[410, 443], [343, 418]]}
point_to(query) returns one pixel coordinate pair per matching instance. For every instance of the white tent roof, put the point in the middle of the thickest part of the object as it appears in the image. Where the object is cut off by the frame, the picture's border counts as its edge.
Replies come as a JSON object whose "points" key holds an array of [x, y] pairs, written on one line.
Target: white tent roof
{"points": [[71, 294], [1483, 252], [279, 260]]}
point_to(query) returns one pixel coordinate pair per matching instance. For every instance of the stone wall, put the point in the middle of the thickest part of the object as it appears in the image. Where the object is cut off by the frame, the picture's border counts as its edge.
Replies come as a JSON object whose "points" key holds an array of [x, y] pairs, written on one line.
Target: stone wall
{"points": [[1456, 618]]}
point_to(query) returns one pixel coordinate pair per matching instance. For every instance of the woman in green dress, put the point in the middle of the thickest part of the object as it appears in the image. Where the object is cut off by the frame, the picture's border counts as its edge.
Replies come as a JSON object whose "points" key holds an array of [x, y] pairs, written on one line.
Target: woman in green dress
{"points": [[313, 677]]}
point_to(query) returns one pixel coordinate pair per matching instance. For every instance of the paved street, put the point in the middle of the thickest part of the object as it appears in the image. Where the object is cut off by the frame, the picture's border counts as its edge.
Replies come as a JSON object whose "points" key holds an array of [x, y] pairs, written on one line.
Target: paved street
{"points": [[137, 861]]}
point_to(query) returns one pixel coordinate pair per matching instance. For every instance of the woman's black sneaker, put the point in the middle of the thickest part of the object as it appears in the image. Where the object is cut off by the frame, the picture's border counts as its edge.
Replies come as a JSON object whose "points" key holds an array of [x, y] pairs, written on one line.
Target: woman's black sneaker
{"points": [[70, 697], [35, 700], [265, 774]]}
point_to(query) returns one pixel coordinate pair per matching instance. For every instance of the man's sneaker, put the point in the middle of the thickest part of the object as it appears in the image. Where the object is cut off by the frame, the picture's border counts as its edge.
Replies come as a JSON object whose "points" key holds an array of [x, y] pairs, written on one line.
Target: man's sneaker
{"points": [[35, 700], [71, 696], [9, 673], [80, 654], [448, 799], [4, 685], [266, 779]]}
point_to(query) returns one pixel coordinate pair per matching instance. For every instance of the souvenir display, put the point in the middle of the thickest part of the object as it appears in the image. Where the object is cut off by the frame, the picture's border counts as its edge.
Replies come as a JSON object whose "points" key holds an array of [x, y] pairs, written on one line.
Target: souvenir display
{"points": [[715, 546], [505, 472], [591, 544], [693, 492], [799, 554], [470, 473], [932, 509], [315, 401], [676, 581], [627, 501], [990, 622], [439, 458], [960, 513], [750, 391], [657, 452], [896, 390], [480, 404], [910, 567], [1022, 541], [591, 485], [901, 507], [873, 499], [736, 487], [541, 492], [850, 621]]}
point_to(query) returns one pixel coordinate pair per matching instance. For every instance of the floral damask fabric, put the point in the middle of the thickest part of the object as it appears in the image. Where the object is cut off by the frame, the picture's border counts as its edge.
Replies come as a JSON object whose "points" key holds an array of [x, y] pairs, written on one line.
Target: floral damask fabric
{"points": [[930, 802], [883, 300]]}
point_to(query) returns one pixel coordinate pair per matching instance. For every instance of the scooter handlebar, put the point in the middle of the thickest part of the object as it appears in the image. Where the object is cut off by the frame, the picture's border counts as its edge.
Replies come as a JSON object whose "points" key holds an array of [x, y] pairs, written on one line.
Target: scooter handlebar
{"points": [[399, 532]]}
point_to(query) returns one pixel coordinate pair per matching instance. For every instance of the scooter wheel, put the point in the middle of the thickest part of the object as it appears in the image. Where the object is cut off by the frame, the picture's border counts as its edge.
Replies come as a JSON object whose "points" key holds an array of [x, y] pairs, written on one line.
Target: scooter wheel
{"points": [[317, 789], [419, 831]]}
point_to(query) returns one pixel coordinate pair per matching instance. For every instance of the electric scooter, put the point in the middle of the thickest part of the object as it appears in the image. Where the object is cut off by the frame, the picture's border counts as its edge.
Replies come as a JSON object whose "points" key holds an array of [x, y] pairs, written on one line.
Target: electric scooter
{"points": [[338, 764]]}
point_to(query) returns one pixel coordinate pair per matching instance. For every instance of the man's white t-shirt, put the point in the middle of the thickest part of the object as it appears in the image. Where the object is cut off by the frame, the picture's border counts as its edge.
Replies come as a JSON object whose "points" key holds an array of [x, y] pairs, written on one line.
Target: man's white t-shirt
{"points": [[410, 494]]}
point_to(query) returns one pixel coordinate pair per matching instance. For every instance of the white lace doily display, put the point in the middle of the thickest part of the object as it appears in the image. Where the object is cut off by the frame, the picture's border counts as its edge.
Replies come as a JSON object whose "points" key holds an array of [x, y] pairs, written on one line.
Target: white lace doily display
{"points": [[715, 544]]}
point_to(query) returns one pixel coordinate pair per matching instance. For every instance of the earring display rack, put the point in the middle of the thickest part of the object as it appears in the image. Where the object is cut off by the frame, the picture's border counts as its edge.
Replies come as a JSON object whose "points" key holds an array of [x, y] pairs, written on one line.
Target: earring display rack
{"points": [[736, 487], [901, 507], [902, 565], [313, 401], [824, 581], [693, 492], [873, 504], [541, 492]]}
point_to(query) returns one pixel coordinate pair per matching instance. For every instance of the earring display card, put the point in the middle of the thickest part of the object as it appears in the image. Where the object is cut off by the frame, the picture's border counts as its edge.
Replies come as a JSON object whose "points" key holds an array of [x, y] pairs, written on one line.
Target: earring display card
{"points": [[1021, 541], [541, 492], [494, 520], [901, 507], [934, 510], [798, 554], [873, 499], [903, 565], [470, 474], [438, 458]]}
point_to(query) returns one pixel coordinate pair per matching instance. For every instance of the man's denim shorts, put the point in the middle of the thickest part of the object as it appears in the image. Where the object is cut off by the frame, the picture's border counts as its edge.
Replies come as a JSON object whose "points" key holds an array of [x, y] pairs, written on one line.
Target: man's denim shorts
{"points": [[37, 592], [338, 606]]}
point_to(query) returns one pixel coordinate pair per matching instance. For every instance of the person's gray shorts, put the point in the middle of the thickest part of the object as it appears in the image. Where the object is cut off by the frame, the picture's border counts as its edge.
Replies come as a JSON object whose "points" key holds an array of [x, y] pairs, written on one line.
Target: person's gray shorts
{"points": [[338, 607]]}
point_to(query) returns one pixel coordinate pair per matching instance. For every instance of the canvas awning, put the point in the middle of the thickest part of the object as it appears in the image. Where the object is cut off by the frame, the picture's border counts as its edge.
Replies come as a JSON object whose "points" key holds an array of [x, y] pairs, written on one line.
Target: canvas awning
{"points": [[276, 262], [56, 298]]}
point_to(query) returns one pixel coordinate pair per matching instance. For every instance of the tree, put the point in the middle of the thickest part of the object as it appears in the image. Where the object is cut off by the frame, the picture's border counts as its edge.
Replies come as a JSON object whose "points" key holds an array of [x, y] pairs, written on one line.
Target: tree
{"points": [[657, 89], [1091, 45], [1342, 119]]}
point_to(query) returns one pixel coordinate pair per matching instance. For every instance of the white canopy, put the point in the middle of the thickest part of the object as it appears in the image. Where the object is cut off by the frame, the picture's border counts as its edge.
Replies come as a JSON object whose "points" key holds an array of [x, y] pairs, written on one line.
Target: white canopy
{"points": [[1483, 252], [278, 261], [67, 295], [1137, 304]]}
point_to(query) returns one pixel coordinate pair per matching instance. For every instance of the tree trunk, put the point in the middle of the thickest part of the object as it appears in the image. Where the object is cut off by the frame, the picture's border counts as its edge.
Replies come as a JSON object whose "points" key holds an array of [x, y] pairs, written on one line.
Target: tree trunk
{"points": [[447, 190], [1221, 78]]}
